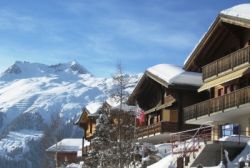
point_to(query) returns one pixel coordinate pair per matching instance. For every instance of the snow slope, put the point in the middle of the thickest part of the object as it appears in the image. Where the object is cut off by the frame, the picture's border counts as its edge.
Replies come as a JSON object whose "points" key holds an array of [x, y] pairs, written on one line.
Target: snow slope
{"points": [[45, 90], [64, 88], [15, 145]]}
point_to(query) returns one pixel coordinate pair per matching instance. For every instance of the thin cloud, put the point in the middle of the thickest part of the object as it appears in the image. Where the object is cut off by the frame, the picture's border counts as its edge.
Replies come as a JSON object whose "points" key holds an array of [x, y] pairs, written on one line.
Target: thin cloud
{"points": [[10, 20]]}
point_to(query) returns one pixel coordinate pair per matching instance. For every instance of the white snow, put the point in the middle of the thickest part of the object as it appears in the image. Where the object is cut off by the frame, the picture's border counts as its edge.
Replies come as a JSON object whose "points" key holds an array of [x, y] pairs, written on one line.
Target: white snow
{"points": [[239, 11], [235, 138], [68, 145], [15, 144], [64, 88], [175, 75], [244, 155], [164, 149], [114, 104], [74, 165], [166, 162], [93, 107]]}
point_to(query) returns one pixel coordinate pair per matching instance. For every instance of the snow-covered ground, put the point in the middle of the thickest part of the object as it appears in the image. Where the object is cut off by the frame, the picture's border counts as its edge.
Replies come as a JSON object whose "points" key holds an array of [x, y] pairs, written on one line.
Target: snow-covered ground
{"points": [[168, 160]]}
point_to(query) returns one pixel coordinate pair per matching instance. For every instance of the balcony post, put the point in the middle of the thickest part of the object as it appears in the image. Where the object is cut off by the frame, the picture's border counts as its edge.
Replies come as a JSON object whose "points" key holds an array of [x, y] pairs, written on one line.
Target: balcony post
{"points": [[216, 68], [231, 60], [248, 51], [195, 111]]}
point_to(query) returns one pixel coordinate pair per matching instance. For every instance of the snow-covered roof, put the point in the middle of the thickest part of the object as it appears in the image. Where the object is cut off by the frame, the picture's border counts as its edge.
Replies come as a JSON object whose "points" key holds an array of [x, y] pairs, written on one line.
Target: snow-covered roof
{"points": [[172, 74], [126, 107], [240, 11], [116, 105], [112, 102], [93, 107], [68, 145]]}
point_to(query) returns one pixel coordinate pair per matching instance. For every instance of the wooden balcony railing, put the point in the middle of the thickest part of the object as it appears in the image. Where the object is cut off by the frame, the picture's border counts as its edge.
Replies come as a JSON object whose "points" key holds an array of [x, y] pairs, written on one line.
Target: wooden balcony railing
{"points": [[233, 99], [231, 61], [153, 129]]}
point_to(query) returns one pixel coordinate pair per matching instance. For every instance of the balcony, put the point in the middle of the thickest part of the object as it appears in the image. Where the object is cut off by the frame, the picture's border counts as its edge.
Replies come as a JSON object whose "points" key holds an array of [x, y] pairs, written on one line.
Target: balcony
{"points": [[157, 128], [229, 62], [218, 104]]}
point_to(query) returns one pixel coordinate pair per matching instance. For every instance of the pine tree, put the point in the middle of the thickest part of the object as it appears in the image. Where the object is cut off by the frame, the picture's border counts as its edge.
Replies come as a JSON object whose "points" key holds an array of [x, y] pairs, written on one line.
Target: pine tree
{"points": [[103, 151], [125, 120]]}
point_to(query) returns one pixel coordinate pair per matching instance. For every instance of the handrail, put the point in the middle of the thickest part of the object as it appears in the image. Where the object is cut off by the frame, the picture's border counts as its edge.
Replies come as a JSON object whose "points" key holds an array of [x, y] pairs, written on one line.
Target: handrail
{"points": [[159, 127], [235, 98], [194, 139], [227, 62]]}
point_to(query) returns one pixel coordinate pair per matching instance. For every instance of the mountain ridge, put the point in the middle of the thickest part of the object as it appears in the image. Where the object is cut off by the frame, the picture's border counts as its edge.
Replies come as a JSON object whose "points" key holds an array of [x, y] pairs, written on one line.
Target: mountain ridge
{"points": [[32, 95]]}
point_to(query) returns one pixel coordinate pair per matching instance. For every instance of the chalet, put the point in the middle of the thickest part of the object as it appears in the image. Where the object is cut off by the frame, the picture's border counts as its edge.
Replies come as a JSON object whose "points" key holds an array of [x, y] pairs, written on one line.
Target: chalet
{"points": [[161, 93], [88, 118], [66, 151], [223, 58]]}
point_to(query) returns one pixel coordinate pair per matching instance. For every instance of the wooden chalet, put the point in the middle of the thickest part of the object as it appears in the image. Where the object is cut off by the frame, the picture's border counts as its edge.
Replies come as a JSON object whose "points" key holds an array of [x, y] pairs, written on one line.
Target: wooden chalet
{"points": [[66, 151], [87, 121], [162, 93], [88, 118], [223, 58]]}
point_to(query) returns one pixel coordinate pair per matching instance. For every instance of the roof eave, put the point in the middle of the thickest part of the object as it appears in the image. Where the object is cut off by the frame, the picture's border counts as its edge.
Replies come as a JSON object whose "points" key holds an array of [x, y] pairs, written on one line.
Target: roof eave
{"points": [[203, 40]]}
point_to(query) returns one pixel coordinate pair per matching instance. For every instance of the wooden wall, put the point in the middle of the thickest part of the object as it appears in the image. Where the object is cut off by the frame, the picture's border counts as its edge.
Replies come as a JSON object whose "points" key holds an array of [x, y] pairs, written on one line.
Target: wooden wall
{"points": [[170, 115], [66, 158], [91, 127]]}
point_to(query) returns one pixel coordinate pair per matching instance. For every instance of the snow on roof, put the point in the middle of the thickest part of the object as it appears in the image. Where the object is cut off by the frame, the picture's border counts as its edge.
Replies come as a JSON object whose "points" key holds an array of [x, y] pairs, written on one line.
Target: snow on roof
{"points": [[112, 102], [68, 145], [93, 107], [175, 75], [240, 11], [116, 105], [190, 54], [126, 107]]}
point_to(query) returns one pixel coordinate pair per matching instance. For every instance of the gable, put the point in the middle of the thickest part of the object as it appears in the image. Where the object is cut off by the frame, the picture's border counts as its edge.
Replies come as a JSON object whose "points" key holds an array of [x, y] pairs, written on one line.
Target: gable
{"points": [[226, 35]]}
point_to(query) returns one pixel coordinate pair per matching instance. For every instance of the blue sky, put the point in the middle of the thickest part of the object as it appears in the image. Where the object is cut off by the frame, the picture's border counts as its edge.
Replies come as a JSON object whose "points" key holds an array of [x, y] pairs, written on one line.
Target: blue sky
{"points": [[100, 33]]}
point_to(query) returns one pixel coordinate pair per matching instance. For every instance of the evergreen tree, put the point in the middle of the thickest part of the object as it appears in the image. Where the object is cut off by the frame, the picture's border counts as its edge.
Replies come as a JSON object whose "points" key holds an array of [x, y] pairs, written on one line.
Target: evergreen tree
{"points": [[103, 143]]}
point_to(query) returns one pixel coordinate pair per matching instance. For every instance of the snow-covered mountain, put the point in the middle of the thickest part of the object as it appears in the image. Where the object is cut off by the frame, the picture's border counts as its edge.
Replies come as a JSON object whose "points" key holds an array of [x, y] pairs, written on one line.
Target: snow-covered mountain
{"points": [[36, 92]]}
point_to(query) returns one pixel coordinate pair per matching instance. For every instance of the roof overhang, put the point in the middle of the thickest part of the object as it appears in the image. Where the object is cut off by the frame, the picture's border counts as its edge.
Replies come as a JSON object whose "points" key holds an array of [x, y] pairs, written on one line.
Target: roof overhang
{"points": [[225, 78], [221, 18], [147, 74]]}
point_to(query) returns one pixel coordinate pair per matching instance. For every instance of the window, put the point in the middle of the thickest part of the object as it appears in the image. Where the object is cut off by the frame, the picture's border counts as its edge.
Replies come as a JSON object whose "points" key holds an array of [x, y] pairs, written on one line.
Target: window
{"points": [[220, 92], [229, 129], [229, 89]]}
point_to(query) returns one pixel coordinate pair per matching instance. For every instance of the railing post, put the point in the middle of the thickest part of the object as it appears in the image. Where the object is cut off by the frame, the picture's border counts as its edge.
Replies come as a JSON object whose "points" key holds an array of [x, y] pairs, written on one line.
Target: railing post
{"points": [[223, 103], [147, 130], [248, 51], [216, 68]]}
